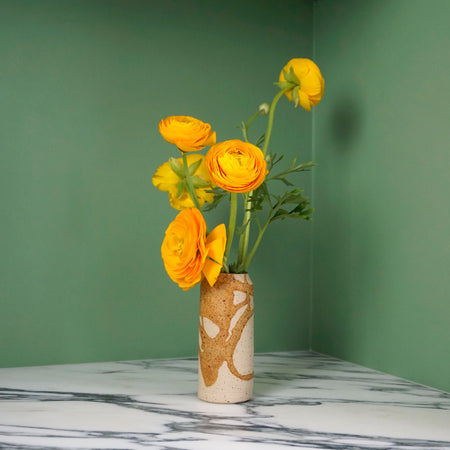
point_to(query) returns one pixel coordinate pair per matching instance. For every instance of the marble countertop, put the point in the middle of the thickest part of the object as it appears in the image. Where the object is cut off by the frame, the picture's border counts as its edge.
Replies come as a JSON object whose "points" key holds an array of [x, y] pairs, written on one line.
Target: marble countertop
{"points": [[302, 400]]}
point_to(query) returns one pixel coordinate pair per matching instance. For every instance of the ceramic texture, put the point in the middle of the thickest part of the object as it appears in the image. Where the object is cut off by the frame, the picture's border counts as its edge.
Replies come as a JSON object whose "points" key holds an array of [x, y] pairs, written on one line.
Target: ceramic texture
{"points": [[226, 340]]}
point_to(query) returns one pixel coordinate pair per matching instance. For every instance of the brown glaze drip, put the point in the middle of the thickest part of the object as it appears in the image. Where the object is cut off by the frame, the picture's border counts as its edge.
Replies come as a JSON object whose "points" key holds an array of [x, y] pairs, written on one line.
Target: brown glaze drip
{"points": [[217, 305]]}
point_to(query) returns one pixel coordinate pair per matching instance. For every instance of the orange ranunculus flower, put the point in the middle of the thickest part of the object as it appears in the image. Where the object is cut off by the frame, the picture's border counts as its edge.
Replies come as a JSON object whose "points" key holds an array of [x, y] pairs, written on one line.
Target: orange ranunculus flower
{"points": [[236, 166], [311, 83], [188, 254], [165, 179], [187, 133]]}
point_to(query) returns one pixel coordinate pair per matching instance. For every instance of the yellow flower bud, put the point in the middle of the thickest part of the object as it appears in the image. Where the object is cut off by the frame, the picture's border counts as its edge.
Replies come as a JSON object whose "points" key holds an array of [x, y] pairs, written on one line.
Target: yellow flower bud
{"points": [[187, 133], [309, 90]]}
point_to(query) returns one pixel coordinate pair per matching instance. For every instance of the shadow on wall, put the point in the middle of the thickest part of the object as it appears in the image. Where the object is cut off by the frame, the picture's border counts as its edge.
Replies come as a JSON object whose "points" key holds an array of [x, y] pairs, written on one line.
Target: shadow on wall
{"points": [[346, 123]]}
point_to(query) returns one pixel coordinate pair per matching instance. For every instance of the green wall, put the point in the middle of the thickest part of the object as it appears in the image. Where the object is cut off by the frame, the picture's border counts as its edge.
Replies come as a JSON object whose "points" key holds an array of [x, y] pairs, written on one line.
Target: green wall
{"points": [[83, 85], [381, 230]]}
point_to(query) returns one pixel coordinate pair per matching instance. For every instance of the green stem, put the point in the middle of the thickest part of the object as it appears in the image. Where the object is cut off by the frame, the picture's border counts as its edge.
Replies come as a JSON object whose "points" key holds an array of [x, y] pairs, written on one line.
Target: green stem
{"points": [[255, 246], [245, 236], [231, 227], [243, 259], [257, 113], [189, 186], [247, 125], [271, 117]]}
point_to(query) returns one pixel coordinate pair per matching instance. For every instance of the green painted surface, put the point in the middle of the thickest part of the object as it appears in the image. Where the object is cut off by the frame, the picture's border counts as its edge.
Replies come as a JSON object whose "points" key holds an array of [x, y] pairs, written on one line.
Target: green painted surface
{"points": [[83, 85], [381, 236]]}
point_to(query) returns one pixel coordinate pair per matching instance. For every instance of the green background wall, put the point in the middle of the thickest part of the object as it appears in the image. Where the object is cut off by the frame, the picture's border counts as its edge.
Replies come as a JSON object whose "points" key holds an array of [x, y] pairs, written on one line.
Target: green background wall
{"points": [[83, 85], [381, 229]]}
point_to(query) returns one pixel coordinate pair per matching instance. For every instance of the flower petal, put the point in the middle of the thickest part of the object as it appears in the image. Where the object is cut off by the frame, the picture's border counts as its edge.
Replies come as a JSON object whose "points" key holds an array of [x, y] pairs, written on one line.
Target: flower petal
{"points": [[184, 248], [236, 166], [215, 246], [304, 101], [165, 178], [187, 133], [311, 82]]}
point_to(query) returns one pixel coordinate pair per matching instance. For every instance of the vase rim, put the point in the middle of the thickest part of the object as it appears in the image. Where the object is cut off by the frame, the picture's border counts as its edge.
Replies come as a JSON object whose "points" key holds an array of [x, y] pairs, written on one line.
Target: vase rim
{"points": [[233, 273]]}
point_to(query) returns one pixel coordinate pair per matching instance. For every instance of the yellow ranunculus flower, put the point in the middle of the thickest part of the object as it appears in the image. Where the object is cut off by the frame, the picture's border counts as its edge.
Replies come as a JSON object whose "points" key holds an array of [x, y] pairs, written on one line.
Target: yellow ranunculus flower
{"points": [[236, 166], [188, 254], [187, 133], [165, 179], [310, 89]]}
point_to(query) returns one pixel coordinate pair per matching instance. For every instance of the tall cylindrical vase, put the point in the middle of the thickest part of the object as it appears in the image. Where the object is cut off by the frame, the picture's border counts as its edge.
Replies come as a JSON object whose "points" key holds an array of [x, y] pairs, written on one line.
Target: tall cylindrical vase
{"points": [[226, 339]]}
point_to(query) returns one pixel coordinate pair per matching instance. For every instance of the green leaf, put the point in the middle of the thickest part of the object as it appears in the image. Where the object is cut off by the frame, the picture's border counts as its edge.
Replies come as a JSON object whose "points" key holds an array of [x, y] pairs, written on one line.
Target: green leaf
{"points": [[219, 195], [284, 85], [295, 95], [234, 268], [176, 167], [199, 182], [239, 230], [291, 77], [294, 168], [181, 188], [286, 182], [244, 130], [299, 211], [280, 214], [194, 166], [272, 159], [260, 140], [260, 196]]}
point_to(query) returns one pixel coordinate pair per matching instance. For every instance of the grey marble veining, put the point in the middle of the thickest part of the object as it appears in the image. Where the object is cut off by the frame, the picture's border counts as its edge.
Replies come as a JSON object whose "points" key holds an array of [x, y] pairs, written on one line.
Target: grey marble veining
{"points": [[302, 400]]}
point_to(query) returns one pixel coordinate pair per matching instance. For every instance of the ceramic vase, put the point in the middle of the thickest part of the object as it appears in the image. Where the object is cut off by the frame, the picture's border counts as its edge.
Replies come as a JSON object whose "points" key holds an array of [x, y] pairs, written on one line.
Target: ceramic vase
{"points": [[226, 339]]}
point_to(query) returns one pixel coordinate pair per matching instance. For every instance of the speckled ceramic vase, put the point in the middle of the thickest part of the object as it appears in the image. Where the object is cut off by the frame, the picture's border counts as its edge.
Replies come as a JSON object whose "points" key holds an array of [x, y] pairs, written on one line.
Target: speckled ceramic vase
{"points": [[226, 339]]}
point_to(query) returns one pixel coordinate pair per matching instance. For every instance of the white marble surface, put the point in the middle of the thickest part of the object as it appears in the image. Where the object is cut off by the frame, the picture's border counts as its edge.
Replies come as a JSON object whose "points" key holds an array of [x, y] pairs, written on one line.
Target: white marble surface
{"points": [[302, 400]]}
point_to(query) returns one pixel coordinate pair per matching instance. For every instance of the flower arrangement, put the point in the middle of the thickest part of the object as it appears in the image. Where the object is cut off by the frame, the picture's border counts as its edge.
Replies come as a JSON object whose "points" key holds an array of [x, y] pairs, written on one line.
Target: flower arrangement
{"points": [[231, 168]]}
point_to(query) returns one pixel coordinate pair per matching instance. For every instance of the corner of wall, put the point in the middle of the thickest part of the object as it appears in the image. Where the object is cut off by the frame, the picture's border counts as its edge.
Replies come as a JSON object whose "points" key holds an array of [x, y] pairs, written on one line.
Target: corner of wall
{"points": [[313, 154]]}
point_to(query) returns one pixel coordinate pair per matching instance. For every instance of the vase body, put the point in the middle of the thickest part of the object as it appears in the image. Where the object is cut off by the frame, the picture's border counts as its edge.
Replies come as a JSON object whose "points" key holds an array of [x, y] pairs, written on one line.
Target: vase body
{"points": [[226, 339]]}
